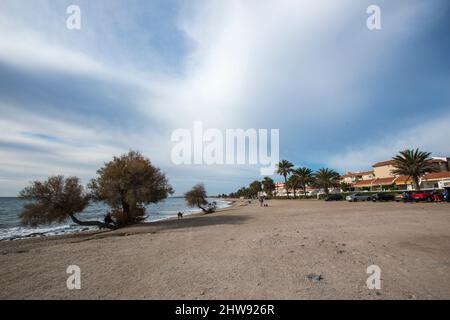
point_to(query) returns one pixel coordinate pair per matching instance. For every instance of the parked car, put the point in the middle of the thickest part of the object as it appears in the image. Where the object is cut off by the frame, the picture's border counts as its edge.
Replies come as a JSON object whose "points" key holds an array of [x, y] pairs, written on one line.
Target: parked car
{"points": [[358, 197], [334, 197], [398, 197], [406, 196], [422, 196], [383, 197]]}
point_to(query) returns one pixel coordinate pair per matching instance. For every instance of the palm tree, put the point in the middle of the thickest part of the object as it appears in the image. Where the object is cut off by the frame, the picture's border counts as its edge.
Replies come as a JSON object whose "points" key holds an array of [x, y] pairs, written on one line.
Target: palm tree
{"points": [[293, 183], [268, 185], [255, 188], [305, 177], [413, 164], [284, 169], [326, 178]]}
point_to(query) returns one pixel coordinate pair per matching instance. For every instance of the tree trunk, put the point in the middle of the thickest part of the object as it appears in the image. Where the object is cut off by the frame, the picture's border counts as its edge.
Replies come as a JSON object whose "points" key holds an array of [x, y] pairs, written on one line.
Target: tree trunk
{"points": [[416, 182], [98, 224], [286, 186], [126, 213], [203, 209]]}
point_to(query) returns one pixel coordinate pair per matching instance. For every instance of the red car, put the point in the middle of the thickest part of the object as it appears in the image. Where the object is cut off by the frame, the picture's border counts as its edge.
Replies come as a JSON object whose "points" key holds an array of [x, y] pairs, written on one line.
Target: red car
{"points": [[423, 196]]}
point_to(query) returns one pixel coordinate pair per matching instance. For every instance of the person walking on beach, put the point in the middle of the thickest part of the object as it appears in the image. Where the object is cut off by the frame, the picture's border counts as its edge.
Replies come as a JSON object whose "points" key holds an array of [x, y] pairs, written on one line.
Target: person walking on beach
{"points": [[261, 201]]}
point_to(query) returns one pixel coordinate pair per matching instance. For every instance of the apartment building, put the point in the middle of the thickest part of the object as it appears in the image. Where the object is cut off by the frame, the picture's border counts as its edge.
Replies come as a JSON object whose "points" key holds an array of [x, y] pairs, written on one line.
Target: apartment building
{"points": [[383, 177]]}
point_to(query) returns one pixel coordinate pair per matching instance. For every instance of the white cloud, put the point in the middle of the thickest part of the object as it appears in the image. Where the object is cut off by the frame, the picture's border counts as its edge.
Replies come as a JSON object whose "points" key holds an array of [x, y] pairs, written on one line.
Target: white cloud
{"points": [[430, 135], [254, 59]]}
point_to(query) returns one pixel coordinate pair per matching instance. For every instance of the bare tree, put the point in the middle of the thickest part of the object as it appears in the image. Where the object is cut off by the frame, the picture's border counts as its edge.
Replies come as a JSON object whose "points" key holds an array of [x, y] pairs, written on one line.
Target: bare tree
{"points": [[56, 200], [196, 197], [127, 184]]}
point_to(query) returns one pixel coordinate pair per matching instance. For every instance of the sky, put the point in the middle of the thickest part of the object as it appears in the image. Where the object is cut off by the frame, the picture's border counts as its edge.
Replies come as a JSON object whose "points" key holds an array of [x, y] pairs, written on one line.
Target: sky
{"points": [[342, 96]]}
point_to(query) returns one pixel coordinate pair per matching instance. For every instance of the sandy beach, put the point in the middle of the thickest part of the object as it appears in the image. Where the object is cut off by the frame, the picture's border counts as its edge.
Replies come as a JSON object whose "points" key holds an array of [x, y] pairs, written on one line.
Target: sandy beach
{"points": [[246, 252]]}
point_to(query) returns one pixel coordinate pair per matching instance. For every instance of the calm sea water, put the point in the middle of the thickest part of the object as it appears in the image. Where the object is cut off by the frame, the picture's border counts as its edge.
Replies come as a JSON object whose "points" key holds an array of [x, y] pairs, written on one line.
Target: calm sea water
{"points": [[10, 208]]}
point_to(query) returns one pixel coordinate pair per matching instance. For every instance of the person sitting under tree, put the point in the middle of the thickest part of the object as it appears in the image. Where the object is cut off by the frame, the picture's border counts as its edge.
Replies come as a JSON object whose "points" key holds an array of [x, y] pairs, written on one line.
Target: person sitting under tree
{"points": [[108, 218]]}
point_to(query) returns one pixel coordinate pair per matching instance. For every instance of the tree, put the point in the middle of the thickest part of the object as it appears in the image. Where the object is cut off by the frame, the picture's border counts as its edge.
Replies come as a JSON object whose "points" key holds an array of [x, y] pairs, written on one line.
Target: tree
{"points": [[345, 186], [293, 183], [326, 178], [284, 169], [304, 177], [244, 192], [413, 164], [254, 188], [268, 185], [197, 197], [56, 200], [127, 184]]}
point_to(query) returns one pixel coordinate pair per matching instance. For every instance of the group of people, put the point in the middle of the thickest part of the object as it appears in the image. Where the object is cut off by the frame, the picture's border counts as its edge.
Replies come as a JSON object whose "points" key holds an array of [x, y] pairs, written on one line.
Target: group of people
{"points": [[261, 202]]}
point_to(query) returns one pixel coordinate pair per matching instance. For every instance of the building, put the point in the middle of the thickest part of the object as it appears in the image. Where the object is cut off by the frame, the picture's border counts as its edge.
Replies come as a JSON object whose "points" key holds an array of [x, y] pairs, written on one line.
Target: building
{"points": [[384, 169], [442, 163], [383, 177], [436, 180], [353, 177], [280, 191]]}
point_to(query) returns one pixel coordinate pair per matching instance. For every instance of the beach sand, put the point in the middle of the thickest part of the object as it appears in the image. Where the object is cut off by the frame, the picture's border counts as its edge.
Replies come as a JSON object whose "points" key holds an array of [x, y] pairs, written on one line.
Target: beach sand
{"points": [[246, 252]]}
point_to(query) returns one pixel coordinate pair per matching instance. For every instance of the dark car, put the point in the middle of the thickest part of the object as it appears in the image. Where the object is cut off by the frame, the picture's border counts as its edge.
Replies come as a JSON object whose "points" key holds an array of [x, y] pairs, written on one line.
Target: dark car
{"points": [[334, 197], [383, 197]]}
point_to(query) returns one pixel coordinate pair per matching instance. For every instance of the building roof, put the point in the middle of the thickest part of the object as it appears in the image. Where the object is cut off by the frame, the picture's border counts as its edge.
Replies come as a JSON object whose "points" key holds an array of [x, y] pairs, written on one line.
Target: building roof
{"points": [[437, 161], [392, 162], [442, 159], [356, 174], [350, 174], [363, 183], [383, 163], [384, 181], [375, 182], [436, 176], [403, 180]]}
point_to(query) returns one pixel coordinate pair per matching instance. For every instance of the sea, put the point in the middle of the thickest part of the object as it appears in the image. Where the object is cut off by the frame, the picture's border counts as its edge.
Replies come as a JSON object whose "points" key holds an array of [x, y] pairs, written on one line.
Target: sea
{"points": [[11, 229]]}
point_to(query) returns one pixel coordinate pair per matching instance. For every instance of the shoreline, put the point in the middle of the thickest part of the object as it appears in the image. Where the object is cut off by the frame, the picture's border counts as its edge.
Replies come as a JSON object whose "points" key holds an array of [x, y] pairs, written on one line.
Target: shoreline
{"points": [[81, 233]]}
